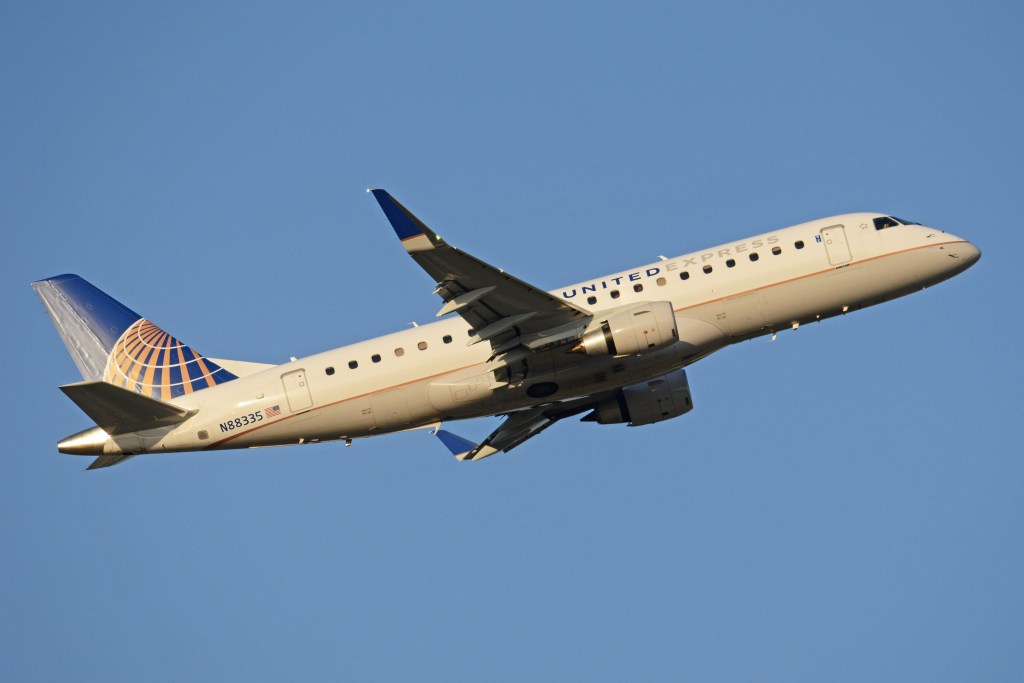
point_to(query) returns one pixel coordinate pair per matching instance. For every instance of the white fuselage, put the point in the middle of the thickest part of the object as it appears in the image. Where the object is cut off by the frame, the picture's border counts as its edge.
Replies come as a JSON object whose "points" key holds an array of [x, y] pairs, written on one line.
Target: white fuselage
{"points": [[426, 375]]}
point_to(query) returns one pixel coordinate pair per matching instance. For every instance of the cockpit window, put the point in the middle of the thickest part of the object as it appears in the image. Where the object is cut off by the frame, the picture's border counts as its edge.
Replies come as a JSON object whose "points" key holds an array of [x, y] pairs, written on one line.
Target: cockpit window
{"points": [[891, 222], [904, 222]]}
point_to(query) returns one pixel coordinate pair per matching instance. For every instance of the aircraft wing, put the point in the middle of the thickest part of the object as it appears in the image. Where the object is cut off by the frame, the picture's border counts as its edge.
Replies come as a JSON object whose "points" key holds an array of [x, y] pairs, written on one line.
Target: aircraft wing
{"points": [[513, 431], [501, 309], [517, 428]]}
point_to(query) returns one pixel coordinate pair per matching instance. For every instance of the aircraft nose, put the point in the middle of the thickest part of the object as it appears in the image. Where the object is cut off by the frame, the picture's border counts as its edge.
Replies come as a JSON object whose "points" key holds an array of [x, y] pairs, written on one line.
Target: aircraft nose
{"points": [[967, 252]]}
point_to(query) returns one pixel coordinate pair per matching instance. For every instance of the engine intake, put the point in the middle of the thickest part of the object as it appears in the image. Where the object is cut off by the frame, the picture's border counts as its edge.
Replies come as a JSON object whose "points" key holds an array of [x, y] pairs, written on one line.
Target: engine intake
{"points": [[661, 398], [627, 331]]}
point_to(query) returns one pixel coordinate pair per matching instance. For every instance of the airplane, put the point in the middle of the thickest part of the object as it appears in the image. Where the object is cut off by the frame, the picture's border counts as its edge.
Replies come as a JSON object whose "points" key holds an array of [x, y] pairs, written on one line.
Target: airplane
{"points": [[613, 349]]}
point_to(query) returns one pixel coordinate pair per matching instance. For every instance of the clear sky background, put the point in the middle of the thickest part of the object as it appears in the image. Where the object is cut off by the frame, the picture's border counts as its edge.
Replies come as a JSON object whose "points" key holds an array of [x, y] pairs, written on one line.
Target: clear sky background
{"points": [[846, 503]]}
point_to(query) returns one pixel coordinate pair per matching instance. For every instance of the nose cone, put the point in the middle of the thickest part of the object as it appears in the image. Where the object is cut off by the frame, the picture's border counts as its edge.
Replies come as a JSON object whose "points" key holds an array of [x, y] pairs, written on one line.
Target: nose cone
{"points": [[962, 255], [968, 252]]}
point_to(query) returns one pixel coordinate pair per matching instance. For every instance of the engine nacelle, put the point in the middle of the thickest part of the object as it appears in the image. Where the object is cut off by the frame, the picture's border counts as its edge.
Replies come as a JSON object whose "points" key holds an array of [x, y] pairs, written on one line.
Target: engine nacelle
{"points": [[648, 402], [623, 332]]}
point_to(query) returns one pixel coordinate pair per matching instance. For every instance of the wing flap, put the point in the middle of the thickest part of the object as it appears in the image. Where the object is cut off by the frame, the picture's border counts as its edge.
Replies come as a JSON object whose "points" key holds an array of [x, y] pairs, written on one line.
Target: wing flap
{"points": [[462, 300]]}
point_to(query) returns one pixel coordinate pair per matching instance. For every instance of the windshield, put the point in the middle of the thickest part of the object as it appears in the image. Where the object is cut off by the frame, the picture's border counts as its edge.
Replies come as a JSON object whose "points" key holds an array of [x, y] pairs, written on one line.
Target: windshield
{"points": [[904, 222], [883, 222]]}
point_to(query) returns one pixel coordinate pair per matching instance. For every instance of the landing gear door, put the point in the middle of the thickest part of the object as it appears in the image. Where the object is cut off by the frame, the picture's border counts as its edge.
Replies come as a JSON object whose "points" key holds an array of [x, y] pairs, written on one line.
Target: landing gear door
{"points": [[296, 388], [836, 246]]}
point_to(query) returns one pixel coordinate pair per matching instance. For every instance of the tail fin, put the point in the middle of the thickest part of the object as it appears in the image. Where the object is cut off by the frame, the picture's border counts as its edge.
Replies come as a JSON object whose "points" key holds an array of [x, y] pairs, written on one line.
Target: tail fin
{"points": [[110, 342]]}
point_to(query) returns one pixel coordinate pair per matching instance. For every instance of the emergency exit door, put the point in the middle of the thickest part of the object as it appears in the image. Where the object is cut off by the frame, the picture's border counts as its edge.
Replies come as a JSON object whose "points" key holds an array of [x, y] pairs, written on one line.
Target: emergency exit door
{"points": [[836, 246], [297, 390]]}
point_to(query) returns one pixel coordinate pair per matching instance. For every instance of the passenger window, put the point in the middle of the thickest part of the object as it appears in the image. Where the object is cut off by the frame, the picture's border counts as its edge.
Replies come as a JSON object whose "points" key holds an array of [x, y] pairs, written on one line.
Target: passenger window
{"points": [[375, 358], [329, 371], [661, 281], [799, 244], [422, 346], [615, 294], [399, 352], [638, 288], [591, 300], [447, 339], [707, 269], [776, 250], [754, 256], [685, 275], [730, 263], [352, 364]]}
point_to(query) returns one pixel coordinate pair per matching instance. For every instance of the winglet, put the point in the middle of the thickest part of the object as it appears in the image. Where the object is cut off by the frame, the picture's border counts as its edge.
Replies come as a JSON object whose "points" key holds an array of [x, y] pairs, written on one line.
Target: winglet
{"points": [[459, 447], [414, 234], [464, 449]]}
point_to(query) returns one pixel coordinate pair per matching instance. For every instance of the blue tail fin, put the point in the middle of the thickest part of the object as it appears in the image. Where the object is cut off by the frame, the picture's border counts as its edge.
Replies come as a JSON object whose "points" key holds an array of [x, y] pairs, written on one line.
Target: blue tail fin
{"points": [[110, 342]]}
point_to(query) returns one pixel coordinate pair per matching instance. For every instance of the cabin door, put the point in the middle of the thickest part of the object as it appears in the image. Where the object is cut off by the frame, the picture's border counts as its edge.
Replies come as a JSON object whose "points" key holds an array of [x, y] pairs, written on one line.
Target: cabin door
{"points": [[836, 245], [297, 390]]}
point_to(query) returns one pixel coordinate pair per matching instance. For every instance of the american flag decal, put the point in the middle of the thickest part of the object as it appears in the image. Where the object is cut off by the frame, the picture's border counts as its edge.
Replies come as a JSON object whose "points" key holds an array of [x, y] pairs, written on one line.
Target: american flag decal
{"points": [[273, 411]]}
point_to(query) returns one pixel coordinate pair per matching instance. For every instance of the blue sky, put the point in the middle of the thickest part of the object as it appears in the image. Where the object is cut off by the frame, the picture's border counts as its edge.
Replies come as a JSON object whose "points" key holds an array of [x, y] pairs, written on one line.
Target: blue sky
{"points": [[842, 504]]}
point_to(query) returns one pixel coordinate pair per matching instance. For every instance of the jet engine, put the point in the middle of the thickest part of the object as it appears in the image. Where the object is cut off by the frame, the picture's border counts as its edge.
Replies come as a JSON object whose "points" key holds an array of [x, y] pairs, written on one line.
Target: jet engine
{"points": [[645, 403], [627, 331]]}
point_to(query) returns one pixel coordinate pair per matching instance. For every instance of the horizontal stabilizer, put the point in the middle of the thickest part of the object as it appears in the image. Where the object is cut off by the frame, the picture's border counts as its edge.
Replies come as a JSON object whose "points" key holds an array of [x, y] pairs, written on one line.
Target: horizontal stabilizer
{"points": [[108, 461], [120, 411]]}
